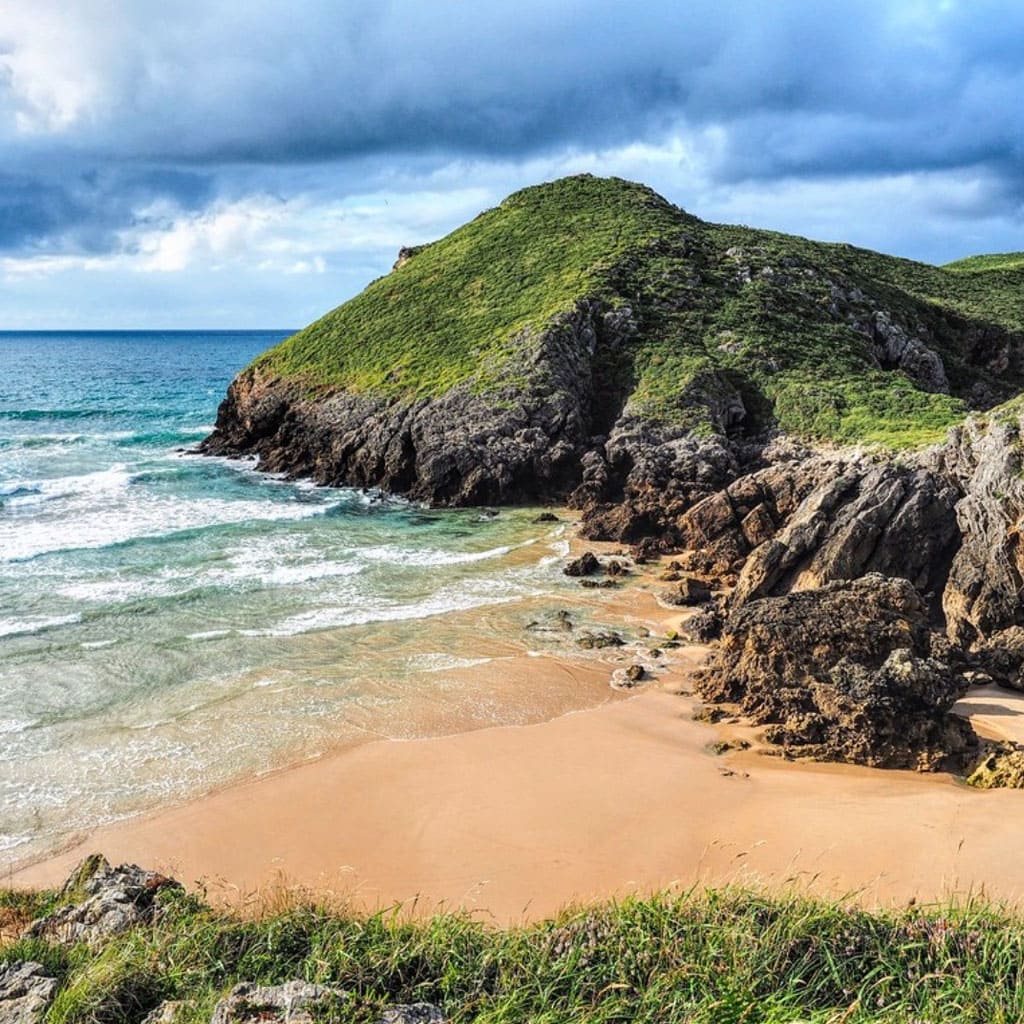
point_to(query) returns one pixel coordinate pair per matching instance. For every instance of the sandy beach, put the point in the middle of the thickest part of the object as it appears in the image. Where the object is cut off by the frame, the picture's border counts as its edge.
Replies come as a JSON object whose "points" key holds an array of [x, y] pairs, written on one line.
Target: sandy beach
{"points": [[515, 822]]}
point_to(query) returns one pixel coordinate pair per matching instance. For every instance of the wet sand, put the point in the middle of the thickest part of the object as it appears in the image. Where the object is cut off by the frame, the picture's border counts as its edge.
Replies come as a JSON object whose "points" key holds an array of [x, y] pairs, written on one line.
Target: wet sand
{"points": [[515, 822]]}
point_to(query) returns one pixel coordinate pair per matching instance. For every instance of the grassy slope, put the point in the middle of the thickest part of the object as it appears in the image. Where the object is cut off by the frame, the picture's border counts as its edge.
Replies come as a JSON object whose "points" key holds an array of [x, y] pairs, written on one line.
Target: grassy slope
{"points": [[455, 310], [993, 261], [724, 957], [461, 300]]}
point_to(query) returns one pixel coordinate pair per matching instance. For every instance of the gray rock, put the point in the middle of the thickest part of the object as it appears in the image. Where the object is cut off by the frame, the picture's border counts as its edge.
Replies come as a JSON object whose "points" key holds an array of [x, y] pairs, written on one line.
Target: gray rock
{"points": [[26, 991], [413, 1013], [986, 579], [290, 1003], [166, 1013], [108, 902], [895, 347]]}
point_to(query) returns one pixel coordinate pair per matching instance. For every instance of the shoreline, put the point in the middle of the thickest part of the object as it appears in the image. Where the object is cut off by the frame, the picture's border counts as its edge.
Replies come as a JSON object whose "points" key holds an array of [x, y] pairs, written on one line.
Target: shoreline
{"points": [[626, 797], [516, 822]]}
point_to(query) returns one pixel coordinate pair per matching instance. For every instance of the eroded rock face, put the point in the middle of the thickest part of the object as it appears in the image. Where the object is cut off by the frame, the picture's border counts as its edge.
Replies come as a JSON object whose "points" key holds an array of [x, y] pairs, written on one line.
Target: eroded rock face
{"points": [[26, 991], [291, 1003], [110, 901], [522, 441], [843, 673], [645, 478], [985, 591], [805, 521]]}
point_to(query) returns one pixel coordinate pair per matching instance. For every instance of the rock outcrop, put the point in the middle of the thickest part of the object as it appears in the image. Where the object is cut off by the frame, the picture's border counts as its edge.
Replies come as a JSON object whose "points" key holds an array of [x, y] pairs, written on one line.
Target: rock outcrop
{"points": [[803, 522], [294, 1002], [985, 590], [843, 673], [26, 992], [105, 902]]}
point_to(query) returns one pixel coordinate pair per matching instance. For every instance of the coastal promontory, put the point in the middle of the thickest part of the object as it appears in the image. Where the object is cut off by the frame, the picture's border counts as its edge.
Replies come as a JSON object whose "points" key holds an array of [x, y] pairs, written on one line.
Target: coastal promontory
{"points": [[784, 414]]}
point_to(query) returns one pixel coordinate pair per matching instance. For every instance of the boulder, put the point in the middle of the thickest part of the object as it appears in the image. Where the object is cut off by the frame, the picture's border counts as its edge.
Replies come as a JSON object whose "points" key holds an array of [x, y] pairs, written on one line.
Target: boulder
{"points": [[592, 640], [166, 1013], [688, 591], [843, 673], [706, 625], [290, 1003], [586, 565], [1002, 767], [629, 677], [105, 902], [26, 991]]}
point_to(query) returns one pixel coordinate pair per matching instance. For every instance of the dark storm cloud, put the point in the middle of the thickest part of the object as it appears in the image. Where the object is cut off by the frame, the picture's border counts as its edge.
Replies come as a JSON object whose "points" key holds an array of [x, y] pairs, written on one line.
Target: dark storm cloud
{"points": [[55, 209], [203, 95]]}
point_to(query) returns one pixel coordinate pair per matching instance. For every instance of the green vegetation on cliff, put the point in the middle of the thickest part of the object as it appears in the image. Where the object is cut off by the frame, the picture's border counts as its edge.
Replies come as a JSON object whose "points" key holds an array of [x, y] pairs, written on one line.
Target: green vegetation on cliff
{"points": [[457, 305], [714, 957], [994, 261], [791, 328]]}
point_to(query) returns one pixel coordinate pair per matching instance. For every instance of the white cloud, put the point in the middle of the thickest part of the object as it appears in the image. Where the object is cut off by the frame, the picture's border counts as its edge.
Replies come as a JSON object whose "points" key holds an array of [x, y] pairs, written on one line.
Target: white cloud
{"points": [[269, 234], [53, 62]]}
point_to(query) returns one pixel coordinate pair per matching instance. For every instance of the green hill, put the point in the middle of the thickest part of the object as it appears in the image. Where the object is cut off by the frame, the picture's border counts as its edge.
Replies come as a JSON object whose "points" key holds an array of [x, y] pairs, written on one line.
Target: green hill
{"points": [[783, 322]]}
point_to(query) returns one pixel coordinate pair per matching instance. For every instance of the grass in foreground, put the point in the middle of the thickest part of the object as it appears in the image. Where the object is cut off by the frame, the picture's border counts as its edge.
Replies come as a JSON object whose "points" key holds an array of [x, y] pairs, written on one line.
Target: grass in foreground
{"points": [[702, 957]]}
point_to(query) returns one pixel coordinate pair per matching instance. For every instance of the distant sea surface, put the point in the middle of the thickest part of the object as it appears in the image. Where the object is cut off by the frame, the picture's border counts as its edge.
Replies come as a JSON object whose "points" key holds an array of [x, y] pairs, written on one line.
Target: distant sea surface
{"points": [[170, 623]]}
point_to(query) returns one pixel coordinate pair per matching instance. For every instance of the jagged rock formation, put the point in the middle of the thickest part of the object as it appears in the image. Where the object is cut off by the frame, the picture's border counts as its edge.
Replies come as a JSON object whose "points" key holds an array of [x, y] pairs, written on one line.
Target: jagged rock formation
{"points": [[844, 673], [104, 901], [948, 519], [986, 580]]}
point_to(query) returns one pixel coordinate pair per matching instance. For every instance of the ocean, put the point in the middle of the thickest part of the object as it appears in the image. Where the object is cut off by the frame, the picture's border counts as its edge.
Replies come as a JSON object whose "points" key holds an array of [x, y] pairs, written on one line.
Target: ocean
{"points": [[170, 623]]}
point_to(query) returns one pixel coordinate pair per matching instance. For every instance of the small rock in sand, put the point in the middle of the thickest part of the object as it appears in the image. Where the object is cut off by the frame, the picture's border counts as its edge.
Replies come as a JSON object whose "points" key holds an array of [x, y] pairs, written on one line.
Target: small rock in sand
{"points": [[586, 565]]}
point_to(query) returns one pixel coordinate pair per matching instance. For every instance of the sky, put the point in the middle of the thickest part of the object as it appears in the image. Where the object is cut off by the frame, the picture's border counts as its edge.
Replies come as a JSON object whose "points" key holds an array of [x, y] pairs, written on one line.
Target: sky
{"points": [[248, 163]]}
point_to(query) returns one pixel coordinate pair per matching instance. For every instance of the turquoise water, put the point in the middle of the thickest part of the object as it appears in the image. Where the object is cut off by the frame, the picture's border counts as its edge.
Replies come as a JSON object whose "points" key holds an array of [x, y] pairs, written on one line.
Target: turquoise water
{"points": [[170, 622]]}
